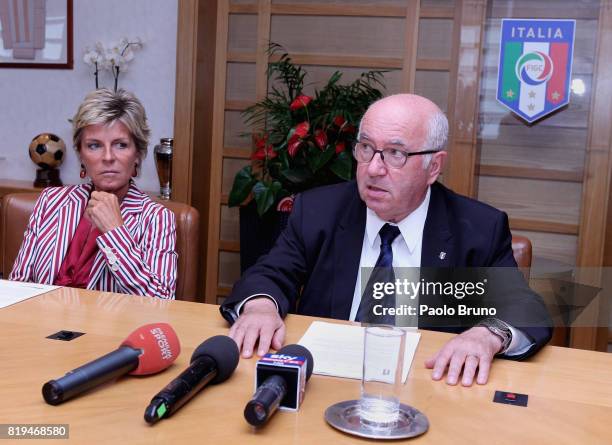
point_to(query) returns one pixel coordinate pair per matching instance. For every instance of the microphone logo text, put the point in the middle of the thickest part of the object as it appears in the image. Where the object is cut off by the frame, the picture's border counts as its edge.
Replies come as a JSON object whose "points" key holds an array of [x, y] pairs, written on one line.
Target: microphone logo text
{"points": [[162, 343]]}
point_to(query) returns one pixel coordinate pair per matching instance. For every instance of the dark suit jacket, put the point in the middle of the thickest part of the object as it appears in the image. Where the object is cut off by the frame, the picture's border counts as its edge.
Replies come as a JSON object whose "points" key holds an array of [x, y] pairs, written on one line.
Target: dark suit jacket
{"points": [[312, 269]]}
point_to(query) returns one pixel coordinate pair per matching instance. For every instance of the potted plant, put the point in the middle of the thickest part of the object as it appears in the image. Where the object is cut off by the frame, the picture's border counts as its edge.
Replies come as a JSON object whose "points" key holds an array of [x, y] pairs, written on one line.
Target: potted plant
{"points": [[301, 142]]}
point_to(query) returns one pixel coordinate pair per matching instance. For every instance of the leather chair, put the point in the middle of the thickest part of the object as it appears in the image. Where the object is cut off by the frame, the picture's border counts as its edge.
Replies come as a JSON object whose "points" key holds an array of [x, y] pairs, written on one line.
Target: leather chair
{"points": [[521, 249], [17, 208]]}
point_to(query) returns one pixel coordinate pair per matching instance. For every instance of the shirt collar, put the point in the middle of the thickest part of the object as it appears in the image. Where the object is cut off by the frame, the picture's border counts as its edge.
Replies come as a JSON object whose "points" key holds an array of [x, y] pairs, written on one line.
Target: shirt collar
{"points": [[411, 227]]}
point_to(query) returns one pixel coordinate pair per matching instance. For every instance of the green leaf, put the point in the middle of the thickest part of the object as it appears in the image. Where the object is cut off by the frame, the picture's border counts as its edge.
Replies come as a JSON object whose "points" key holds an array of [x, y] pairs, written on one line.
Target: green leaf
{"points": [[243, 184], [265, 195], [342, 166], [322, 158], [296, 175]]}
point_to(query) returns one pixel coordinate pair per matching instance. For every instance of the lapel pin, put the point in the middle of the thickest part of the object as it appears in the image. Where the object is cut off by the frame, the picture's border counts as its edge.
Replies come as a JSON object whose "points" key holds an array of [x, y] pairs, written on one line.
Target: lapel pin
{"points": [[442, 255]]}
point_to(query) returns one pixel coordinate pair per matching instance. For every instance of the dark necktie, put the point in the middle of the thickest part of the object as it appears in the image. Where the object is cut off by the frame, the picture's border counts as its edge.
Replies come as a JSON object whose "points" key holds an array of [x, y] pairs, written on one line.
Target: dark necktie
{"points": [[382, 273]]}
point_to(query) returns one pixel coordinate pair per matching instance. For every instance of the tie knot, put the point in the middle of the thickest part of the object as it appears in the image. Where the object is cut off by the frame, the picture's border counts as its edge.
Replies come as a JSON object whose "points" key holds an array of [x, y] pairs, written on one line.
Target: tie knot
{"points": [[388, 233]]}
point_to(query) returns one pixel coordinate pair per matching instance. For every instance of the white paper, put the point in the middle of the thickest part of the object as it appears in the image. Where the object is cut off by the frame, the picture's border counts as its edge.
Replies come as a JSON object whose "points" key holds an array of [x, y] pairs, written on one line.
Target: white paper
{"points": [[337, 349], [12, 292]]}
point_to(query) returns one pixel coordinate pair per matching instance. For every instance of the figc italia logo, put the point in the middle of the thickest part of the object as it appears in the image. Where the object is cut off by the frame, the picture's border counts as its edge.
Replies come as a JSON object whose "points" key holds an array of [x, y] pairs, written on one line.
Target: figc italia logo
{"points": [[535, 66]]}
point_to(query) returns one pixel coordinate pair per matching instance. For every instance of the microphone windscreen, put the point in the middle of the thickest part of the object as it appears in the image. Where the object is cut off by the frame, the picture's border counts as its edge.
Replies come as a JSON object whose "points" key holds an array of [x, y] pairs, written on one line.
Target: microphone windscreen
{"points": [[300, 351], [159, 345], [224, 351]]}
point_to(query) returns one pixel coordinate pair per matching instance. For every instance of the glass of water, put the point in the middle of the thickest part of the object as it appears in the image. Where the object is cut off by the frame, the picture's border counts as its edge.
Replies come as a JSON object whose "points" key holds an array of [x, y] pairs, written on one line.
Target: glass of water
{"points": [[381, 384]]}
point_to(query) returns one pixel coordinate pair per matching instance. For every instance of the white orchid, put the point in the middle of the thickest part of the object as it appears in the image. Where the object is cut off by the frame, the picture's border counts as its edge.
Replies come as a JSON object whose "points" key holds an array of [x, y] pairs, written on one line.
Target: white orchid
{"points": [[114, 58], [90, 57]]}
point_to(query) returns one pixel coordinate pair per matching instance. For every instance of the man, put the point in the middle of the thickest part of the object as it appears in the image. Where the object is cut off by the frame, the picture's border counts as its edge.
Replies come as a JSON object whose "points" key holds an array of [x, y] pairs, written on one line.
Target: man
{"points": [[315, 266]]}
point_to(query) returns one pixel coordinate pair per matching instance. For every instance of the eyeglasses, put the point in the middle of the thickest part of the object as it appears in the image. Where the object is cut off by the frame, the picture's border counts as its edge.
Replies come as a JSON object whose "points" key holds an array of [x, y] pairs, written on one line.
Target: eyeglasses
{"points": [[393, 157]]}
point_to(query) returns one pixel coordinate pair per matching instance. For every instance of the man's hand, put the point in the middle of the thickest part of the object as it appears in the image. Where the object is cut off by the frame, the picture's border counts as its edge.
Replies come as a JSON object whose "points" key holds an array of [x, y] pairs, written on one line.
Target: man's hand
{"points": [[474, 348], [259, 320], [104, 212]]}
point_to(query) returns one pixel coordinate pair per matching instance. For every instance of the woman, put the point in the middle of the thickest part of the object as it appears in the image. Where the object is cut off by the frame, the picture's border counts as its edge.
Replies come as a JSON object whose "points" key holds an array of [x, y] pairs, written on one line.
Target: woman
{"points": [[106, 234]]}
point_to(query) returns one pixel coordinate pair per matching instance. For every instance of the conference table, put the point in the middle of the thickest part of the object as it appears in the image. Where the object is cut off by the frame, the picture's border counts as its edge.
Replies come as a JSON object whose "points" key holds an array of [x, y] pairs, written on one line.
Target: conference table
{"points": [[570, 391]]}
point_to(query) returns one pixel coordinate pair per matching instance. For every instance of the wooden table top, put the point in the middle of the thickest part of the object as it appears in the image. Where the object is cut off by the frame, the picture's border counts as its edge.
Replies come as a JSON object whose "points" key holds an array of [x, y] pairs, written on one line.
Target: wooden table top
{"points": [[570, 391]]}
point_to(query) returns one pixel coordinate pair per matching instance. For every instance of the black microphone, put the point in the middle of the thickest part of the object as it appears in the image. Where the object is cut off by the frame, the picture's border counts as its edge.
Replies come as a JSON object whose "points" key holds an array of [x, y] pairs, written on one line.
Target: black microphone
{"points": [[280, 381], [212, 362]]}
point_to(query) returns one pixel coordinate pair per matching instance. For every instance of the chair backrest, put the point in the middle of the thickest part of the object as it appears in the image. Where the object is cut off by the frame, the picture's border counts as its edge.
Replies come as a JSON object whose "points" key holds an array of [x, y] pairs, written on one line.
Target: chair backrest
{"points": [[17, 208], [187, 245], [16, 211], [521, 249]]}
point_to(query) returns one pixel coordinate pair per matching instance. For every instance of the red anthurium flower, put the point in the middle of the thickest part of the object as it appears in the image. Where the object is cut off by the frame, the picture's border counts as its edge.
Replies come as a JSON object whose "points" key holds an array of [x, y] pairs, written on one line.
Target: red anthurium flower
{"points": [[301, 129], [260, 141], [321, 139], [348, 128], [294, 145], [295, 141], [339, 121], [340, 147], [261, 153], [300, 102]]}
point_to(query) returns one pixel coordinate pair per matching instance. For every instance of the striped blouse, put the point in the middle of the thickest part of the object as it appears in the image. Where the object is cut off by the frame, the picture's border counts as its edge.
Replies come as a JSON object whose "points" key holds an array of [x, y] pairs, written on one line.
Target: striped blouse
{"points": [[136, 258]]}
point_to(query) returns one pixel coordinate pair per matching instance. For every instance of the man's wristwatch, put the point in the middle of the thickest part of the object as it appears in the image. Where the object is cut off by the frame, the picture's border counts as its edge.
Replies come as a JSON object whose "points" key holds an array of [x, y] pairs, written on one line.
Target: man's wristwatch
{"points": [[500, 329]]}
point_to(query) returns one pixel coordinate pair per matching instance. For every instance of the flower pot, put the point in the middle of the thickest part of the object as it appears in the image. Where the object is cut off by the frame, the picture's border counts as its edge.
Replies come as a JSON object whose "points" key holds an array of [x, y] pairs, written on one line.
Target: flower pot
{"points": [[258, 233]]}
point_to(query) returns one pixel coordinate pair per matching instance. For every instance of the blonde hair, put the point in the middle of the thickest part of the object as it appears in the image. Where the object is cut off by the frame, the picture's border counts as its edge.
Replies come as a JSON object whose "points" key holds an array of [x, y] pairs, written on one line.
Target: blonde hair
{"points": [[104, 106]]}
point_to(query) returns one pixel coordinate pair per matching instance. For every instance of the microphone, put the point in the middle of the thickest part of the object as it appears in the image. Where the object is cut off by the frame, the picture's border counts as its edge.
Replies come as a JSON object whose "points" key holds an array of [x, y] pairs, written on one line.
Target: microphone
{"points": [[280, 381], [149, 349], [212, 362]]}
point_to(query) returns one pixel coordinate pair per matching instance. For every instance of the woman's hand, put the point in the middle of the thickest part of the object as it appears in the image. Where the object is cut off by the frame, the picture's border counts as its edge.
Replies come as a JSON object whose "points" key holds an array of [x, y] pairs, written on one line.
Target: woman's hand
{"points": [[103, 210]]}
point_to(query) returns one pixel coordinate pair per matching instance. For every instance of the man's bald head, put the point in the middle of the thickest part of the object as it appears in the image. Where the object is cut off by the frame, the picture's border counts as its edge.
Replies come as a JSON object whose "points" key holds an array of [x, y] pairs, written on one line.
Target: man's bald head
{"points": [[422, 118]]}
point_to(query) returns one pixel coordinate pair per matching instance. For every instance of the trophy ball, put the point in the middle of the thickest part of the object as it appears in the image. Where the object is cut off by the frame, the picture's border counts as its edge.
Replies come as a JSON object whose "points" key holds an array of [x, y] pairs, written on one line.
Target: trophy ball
{"points": [[47, 151]]}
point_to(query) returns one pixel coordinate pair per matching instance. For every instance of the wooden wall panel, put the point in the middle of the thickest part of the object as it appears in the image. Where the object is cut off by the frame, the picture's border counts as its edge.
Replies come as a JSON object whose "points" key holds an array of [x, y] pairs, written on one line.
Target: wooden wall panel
{"points": [[435, 36], [230, 168], [551, 246], [550, 151], [242, 33], [551, 201], [233, 134], [240, 85], [318, 75], [563, 159], [229, 268], [608, 244], [512, 132], [463, 115], [217, 119], [230, 223], [438, 3], [560, 9], [185, 98], [434, 85], [378, 3], [340, 35]]}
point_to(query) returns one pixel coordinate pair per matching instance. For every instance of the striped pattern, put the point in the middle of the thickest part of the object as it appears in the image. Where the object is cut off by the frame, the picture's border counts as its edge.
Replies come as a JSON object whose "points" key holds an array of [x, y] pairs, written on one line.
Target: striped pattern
{"points": [[137, 258]]}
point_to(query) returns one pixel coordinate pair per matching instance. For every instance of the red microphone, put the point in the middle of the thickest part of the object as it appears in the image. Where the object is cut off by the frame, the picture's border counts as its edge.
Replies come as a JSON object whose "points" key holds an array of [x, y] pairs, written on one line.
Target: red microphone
{"points": [[149, 349]]}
